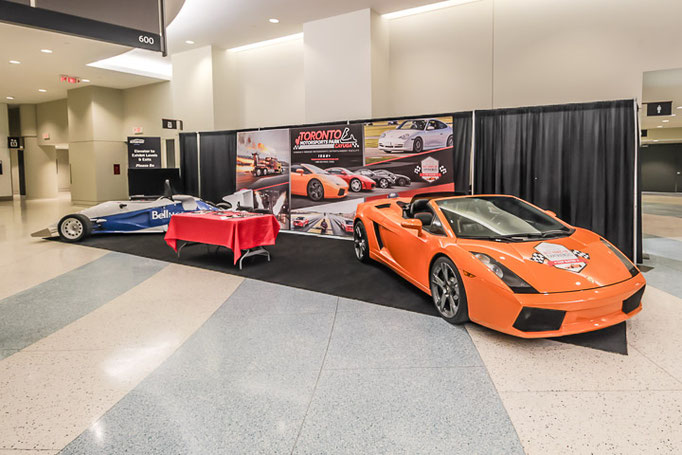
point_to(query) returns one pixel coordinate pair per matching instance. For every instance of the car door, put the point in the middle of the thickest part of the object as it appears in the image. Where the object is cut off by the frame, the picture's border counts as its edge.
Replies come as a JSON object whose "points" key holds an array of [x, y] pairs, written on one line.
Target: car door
{"points": [[298, 181]]}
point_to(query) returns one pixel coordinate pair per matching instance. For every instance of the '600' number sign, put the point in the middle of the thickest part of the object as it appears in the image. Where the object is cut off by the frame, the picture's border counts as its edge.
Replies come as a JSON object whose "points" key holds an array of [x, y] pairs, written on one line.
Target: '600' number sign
{"points": [[145, 39]]}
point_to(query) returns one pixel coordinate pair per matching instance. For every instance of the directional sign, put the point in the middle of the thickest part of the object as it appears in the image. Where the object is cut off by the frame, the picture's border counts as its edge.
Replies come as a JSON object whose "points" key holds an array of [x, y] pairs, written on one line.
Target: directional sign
{"points": [[13, 142], [659, 108], [169, 124]]}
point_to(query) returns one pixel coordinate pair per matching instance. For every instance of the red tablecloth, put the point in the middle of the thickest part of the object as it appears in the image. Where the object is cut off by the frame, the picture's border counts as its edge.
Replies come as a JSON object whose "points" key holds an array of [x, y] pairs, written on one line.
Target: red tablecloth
{"points": [[235, 233]]}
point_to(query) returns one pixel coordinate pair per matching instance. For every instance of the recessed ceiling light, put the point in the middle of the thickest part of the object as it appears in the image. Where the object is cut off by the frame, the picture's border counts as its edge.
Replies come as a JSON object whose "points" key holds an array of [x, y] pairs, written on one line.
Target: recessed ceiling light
{"points": [[273, 21], [10, 97], [14, 62], [655, 140], [666, 121], [189, 41], [659, 126], [679, 107], [85, 80], [42, 90], [46, 51]]}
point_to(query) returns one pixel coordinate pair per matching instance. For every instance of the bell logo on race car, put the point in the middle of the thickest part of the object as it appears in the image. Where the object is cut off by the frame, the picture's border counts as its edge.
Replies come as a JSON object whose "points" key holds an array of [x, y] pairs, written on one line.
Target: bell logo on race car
{"points": [[165, 215], [430, 169]]}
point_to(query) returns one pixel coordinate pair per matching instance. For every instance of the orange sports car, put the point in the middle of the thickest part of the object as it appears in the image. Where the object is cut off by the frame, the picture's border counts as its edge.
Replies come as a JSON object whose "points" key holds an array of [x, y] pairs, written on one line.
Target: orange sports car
{"points": [[316, 184], [501, 262]]}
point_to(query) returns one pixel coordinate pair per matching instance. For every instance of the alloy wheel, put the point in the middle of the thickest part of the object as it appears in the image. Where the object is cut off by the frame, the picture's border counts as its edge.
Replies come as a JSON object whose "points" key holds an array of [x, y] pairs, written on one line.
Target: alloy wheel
{"points": [[359, 242], [445, 289]]}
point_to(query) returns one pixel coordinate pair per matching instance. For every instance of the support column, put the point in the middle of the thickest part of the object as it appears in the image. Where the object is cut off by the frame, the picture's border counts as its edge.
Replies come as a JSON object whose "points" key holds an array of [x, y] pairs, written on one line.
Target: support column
{"points": [[40, 162], [192, 88], [6, 176], [96, 144], [346, 67]]}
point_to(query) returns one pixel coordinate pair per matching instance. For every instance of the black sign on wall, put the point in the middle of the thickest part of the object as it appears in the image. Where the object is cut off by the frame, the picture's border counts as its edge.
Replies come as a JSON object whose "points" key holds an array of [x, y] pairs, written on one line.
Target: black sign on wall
{"points": [[144, 152], [169, 124], [14, 142], [659, 108]]}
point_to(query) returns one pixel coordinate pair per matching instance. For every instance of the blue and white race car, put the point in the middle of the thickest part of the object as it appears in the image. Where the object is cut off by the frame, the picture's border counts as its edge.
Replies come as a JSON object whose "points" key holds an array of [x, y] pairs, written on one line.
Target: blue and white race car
{"points": [[125, 217]]}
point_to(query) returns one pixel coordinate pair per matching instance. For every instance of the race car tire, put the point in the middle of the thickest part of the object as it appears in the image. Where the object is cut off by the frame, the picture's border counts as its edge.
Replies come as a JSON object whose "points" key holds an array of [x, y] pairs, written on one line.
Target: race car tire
{"points": [[265, 171], [447, 291], [360, 242], [315, 190], [403, 182], [355, 185], [384, 183], [224, 205], [418, 145], [257, 172], [449, 142], [74, 228]]}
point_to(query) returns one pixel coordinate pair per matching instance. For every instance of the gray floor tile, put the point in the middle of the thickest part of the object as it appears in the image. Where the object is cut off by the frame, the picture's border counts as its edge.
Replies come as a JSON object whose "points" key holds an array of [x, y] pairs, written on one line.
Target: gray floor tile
{"points": [[204, 412], [33, 314], [390, 338], [667, 248], [407, 411], [665, 274], [261, 298], [4, 353]]}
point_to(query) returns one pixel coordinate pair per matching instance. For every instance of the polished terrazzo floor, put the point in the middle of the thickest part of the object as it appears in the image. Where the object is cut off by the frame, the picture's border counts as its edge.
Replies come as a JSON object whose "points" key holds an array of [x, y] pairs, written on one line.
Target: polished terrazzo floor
{"points": [[110, 353]]}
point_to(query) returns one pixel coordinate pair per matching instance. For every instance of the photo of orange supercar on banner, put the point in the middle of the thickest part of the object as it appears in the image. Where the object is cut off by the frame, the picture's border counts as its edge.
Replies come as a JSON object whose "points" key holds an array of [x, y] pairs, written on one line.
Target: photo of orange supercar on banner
{"points": [[263, 162]]}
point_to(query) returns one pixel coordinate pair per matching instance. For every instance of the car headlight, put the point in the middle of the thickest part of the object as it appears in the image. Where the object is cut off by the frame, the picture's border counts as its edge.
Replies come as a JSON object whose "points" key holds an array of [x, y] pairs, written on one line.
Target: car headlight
{"points": [[515, 282], [626, 262], [383, 135], [404, 136]]}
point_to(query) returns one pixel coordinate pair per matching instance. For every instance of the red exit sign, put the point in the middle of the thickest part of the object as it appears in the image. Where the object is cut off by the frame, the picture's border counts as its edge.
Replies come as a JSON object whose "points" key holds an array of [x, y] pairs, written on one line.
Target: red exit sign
{"points": [[69, 79]]}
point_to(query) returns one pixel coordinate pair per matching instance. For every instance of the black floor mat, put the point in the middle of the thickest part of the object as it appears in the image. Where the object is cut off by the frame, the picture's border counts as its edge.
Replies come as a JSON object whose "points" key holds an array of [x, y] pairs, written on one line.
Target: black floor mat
{"points": [[323, 265]]}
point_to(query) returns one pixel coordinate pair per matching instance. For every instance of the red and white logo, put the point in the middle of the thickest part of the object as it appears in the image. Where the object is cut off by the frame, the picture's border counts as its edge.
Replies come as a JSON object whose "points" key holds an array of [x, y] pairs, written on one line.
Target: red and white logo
{"points": [[429, 169]]}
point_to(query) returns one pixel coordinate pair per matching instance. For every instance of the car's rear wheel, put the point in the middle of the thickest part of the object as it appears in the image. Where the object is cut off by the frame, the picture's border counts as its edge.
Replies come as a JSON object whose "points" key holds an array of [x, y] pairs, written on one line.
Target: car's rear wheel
{"points": [[418, 145], [315, 190], [449, 143], [355, 185], [447, 291], [360, 243], [403, 182], [74, 227]]}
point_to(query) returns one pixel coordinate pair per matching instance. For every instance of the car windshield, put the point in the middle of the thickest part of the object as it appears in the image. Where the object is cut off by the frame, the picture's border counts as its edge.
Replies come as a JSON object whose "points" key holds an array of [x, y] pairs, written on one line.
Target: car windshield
{"points": [[413, 125], [314, 169], [499, 218]]}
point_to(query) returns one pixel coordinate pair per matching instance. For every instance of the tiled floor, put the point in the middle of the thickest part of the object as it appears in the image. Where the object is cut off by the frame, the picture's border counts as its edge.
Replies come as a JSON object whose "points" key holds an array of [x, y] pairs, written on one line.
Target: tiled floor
{"points": [[110, 353]]}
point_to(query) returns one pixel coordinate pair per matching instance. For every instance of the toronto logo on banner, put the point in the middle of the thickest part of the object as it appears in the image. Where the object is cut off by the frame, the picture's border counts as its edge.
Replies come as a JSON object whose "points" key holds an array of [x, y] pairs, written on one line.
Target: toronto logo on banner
{"points": [[326, 138]]}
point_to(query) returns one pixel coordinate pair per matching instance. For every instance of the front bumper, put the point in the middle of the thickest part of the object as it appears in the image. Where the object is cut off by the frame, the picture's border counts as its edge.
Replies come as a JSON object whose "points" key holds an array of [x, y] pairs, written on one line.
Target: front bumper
{"points": [[569, 313], [395, 145]]}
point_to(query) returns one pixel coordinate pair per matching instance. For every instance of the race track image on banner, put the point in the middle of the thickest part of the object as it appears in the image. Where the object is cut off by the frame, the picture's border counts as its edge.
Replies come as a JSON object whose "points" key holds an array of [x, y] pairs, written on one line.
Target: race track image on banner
{"points": [[324, 192], [263, 164], [386, 139]]}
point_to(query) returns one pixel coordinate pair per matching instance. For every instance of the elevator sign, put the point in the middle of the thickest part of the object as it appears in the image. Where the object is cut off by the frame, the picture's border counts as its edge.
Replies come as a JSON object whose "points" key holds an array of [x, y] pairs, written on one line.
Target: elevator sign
{"points": [[144, 152]]}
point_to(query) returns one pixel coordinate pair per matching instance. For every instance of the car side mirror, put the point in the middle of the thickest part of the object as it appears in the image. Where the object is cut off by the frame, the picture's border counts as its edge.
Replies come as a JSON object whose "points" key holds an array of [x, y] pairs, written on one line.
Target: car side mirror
{"points": [[299, 171], [412, 223], [550, 213]]}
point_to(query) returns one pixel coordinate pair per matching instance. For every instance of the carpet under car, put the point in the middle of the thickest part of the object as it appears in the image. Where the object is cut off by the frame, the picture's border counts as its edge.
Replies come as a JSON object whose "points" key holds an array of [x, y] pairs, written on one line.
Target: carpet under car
{"points": [[324, 265]]}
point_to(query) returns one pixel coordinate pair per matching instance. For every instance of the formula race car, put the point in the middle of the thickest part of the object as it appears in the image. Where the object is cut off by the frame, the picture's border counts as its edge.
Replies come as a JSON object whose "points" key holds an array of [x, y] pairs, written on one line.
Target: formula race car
{"points": [[316, 184], [416, 136], [396, 179], [356, 182], [501, 262], [134, 216]]}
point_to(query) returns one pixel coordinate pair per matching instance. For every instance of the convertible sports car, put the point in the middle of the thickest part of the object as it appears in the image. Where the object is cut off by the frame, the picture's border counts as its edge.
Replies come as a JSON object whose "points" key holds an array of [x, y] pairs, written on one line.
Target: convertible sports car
{"points": [[396, 179], [136, 216], [381, 180], [356, 182], [416, 136], [316, 184], [501, 262]]}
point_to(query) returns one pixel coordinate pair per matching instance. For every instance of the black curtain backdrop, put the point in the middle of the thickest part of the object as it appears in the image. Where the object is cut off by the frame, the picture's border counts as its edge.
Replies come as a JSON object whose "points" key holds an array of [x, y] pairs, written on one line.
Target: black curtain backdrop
{"points": [[189, 163], [577, 160], [218, 163], [461, 125]]}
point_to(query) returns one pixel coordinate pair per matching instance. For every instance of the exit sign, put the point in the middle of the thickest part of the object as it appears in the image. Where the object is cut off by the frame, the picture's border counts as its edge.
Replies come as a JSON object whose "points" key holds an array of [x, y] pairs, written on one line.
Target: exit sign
{"points": [[69, 79]]}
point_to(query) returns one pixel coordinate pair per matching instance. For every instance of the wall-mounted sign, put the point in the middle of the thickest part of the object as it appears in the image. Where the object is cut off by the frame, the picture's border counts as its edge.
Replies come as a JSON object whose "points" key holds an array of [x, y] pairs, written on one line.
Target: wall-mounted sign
{"points": [[659, 108], [137, 130], [14, 142], [117, 169], [46, 136], [169, 124], [144, 152]]}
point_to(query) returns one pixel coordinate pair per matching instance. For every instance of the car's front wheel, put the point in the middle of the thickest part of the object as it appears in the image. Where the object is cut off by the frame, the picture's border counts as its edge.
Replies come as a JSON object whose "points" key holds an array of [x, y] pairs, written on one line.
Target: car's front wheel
{"points": [[74, 227], [418, 145], [360, 243], [315, 190], [355, 185], [384, 183], [447, 291]]}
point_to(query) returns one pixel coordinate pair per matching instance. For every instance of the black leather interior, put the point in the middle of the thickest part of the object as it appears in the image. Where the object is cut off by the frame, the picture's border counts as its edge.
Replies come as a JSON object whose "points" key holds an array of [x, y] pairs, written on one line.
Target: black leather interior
{"points": [[424, 217], [420, 205]]}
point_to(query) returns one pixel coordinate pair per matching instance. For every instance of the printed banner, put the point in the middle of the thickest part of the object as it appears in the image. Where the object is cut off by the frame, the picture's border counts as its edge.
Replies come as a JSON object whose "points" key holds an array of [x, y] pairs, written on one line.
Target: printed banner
{"points": [[144, 152], [263, 163]]}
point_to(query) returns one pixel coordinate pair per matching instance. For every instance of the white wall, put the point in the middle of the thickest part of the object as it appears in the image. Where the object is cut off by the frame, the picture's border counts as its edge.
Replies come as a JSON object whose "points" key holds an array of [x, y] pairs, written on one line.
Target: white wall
{"points": [[192, 88], [52, 118], [145, 106]]}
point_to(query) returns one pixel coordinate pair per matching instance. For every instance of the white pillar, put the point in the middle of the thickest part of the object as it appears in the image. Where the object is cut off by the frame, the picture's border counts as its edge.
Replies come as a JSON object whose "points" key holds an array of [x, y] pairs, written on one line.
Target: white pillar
{"points": [[40, 162], [6, 176]]}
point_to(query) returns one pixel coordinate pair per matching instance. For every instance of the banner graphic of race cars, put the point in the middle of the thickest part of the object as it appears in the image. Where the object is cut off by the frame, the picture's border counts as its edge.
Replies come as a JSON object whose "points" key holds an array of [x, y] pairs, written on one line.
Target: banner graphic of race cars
{"points": [[313, 178]]}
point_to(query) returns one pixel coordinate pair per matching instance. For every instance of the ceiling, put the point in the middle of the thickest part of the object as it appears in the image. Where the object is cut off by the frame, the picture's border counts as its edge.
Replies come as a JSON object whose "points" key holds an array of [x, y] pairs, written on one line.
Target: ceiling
{"points": [[664, 85]]}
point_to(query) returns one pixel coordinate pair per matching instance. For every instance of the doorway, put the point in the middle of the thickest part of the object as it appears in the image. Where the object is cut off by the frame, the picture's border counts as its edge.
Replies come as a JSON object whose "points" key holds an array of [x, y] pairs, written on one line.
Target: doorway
{"points": [[170, 153]]}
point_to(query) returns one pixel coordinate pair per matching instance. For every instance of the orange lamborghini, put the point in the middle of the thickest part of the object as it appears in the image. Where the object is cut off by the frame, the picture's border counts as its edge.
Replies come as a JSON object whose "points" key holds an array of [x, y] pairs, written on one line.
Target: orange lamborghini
{"points": [[501, 262], [316, 184]]}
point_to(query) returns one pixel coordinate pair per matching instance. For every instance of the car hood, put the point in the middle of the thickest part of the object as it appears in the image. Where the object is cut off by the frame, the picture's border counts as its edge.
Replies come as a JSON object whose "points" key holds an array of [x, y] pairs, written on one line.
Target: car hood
{"points": [[338, 181], [578, 262], [395, 134]]}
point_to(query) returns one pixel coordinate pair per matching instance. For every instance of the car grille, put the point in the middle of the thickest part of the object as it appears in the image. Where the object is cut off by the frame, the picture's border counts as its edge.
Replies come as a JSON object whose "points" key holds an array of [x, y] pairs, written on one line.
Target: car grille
{"points": [[539, 320], [632, 303]]}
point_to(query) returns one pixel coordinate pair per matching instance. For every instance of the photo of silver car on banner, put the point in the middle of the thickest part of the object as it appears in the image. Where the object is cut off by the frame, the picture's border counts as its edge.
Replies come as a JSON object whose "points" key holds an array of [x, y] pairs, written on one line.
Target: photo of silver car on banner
{"points": [[313, 178]]}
